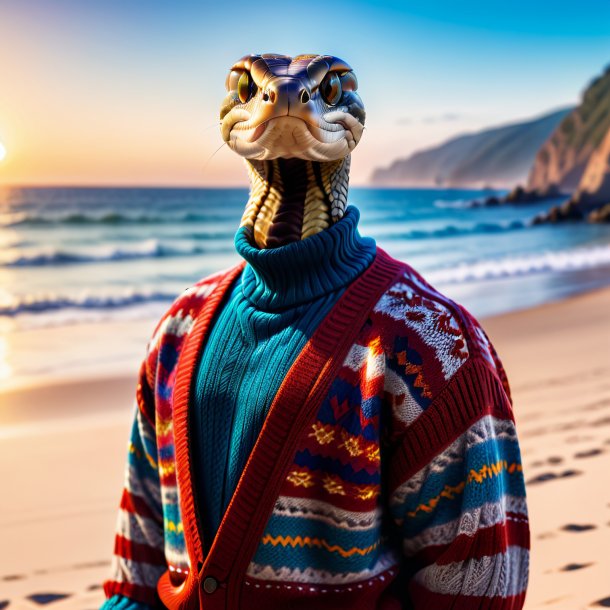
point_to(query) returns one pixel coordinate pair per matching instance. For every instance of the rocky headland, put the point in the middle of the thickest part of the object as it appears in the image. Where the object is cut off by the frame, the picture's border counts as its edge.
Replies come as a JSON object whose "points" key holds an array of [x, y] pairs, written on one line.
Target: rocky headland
{"points": [[573, 164]]}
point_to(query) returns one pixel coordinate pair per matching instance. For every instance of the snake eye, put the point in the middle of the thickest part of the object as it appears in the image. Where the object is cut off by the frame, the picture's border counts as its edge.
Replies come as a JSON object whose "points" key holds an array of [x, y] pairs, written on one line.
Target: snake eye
{"points": [[330, 89], [232, 79], [246, 87]]}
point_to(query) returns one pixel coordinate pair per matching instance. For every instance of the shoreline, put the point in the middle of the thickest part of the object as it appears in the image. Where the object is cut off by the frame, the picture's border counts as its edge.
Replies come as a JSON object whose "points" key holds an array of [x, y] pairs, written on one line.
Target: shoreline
{"points": [[137, 333], [60, 509], [28, 367]]}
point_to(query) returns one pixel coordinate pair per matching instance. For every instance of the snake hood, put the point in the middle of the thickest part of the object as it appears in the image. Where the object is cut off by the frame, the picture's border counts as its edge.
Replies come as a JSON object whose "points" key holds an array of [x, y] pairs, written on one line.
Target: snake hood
{"points": [[295, 122], [304, 107]]}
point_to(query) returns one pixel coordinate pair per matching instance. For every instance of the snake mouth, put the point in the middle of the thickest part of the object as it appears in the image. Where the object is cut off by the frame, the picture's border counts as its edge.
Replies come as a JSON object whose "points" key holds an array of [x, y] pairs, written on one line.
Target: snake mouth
{"points": [[322, 133], [258, 132], [324, 137]]}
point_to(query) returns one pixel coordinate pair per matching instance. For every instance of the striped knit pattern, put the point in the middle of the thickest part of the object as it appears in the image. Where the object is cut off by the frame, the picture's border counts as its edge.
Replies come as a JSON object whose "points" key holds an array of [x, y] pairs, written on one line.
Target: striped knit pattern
{"points": [[407, 486], [150, 534]]}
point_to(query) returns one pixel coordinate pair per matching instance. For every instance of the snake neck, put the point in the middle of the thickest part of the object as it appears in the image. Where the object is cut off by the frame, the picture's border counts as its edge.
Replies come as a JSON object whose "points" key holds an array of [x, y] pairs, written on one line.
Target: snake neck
{"points": [[291, 199]]}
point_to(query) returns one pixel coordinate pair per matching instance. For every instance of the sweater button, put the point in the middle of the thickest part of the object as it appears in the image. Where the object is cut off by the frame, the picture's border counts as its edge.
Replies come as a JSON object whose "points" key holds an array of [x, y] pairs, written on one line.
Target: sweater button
{"points": [[210, 584]]}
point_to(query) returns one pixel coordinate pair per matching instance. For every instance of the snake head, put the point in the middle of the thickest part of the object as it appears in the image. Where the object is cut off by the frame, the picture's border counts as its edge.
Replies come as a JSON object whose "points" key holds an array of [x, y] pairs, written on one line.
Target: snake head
{"points": [[304, 107]]}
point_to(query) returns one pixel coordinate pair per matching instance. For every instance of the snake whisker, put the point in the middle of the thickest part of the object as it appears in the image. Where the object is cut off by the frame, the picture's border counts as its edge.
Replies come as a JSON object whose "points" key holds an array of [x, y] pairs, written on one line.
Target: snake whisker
{"points": [[211, 157], [211, 126]]}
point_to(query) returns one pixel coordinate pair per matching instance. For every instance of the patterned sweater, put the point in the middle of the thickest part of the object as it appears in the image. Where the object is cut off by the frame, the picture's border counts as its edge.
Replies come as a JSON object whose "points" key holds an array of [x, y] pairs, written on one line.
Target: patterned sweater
{"points": [[272, 310], [387, 473]]}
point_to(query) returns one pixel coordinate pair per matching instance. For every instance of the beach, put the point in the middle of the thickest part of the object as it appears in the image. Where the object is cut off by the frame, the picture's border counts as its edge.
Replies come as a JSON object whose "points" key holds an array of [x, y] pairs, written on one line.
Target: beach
{"points": [[139, 156], [63, 444]]}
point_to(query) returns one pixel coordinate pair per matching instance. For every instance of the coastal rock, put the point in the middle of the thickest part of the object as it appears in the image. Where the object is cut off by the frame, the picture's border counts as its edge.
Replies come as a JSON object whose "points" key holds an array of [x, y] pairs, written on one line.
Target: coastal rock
{"points": [[568, 211], [518, 194], [592, 198], [521, 195], [551, 191], [600, 215]]}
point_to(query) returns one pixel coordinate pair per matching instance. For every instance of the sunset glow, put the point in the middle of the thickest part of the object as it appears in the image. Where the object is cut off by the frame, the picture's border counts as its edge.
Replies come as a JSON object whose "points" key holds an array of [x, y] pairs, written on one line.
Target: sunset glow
{"points": [[2, 151], [85, 109]]}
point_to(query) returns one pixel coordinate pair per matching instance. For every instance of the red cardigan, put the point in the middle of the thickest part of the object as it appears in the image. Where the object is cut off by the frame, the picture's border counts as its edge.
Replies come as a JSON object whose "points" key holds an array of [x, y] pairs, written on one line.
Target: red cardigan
{"points": [[387, 473]]}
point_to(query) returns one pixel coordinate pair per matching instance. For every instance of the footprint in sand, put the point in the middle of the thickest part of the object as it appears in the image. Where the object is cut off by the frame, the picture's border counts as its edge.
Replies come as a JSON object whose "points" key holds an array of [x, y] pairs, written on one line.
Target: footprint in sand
{"points": [[554, 460], [551, 476], [47, 598], [603, 603], [548, 602], [545, 535], [603, 421], [577, 528], [590, 453], [571, 567]]}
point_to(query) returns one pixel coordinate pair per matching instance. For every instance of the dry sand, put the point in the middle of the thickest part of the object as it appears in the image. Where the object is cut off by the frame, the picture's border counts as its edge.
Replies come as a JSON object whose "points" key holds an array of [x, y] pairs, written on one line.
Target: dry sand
{"points": [[62, 451]]}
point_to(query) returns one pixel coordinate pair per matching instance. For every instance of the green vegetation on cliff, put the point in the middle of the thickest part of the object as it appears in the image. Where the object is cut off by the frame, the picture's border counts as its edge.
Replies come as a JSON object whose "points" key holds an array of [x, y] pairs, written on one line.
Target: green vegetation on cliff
{"points": [[593, 115]]}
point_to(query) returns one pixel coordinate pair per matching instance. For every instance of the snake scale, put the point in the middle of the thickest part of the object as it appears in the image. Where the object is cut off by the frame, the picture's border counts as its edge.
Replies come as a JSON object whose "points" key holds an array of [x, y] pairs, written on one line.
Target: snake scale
{"points": [[295, 121]]}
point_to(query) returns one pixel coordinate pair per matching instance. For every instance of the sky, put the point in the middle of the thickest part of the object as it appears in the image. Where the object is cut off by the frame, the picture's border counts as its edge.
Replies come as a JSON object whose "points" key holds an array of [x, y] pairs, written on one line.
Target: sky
{"points": [[119, 92]]}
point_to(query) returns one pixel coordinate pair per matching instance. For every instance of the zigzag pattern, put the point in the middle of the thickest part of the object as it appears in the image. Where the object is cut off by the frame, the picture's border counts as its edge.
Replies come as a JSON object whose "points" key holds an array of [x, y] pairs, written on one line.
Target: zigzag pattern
{"points": [[408, 364], [306, 541], [487, 471]]}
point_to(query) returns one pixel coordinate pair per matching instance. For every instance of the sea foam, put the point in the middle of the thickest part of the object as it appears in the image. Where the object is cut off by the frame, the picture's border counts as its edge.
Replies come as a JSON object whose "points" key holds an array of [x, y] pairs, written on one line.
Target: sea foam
{"points": [[36, 304], [573, 259], [146, 249]]}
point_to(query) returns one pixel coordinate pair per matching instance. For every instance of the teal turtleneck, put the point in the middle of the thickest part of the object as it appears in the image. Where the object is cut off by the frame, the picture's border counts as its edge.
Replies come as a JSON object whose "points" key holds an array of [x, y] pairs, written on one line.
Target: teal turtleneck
{"points": [[269, 314]]}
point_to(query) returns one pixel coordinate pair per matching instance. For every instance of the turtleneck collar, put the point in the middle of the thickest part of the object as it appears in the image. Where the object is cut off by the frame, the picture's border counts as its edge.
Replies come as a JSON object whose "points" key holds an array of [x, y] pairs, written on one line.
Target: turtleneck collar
{"points": [[302, 271]]}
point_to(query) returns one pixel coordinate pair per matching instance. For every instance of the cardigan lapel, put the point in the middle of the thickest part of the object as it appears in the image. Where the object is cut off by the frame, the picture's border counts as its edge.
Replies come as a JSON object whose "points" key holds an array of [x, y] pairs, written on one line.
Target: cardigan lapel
{"points": [[185, 594]]}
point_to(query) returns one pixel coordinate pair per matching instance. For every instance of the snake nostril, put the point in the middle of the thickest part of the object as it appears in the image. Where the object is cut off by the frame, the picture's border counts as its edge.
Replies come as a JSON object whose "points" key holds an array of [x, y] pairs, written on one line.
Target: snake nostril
{"points": [[265, 97], [304, 96]]}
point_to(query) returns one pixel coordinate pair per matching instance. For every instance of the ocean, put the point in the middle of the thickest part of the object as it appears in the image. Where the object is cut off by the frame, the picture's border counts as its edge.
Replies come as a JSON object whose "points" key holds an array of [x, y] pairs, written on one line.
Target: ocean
{"points": [[71, 256]]}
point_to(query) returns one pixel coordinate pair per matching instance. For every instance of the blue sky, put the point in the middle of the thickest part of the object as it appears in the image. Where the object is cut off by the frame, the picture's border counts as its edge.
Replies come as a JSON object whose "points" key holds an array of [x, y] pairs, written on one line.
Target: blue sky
{"points": [[134, 84]]}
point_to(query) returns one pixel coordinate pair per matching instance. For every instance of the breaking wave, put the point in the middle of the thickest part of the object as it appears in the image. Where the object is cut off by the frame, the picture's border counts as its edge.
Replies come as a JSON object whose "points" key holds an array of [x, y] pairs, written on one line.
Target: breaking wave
{"points": [[575, 259], [148, 249], [110, 218], [47, 303], [456, 231], [454, 204]]}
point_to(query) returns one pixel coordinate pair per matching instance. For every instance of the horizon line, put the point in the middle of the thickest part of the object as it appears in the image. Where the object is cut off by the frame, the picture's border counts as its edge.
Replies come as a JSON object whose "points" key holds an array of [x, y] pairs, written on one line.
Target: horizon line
{"points": [[244, 187]]}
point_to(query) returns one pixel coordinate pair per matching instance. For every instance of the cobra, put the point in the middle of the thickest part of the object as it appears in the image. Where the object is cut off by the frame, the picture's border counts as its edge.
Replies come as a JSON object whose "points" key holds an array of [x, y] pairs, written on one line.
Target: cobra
{"points": [[295, 121]]}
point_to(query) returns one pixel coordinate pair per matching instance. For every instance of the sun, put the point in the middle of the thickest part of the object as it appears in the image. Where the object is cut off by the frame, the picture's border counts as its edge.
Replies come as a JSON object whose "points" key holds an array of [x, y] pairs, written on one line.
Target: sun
{"points": [[2, 151]]}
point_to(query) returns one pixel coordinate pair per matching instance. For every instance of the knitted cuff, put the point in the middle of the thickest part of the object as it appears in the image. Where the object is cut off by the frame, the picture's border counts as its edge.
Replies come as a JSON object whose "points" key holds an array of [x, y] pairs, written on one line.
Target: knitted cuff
{"points": [[120, 602]]}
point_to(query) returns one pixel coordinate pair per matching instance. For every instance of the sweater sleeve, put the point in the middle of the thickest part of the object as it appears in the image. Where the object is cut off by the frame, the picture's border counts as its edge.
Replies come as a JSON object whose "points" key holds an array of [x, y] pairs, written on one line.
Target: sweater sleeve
{"points": [[458, 499], [120, 602], [138, 560]]}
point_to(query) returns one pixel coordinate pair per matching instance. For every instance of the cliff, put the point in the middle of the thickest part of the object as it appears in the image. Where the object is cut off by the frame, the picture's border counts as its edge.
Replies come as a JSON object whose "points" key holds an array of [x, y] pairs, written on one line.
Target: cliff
{"points": [[594, 187], [592, 198], [501, 156], [564, 157]]}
